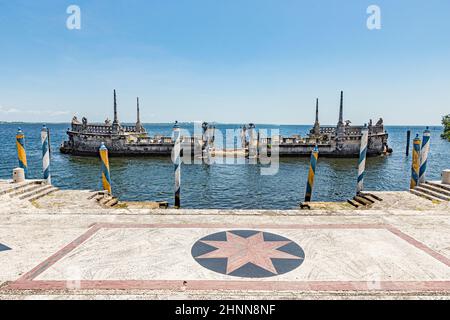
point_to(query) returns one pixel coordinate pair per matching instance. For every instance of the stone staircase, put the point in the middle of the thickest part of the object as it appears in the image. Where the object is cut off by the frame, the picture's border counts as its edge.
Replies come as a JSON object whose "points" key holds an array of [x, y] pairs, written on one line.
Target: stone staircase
{"points": [[433, 190], [104, 198], [363, 199], [39, 194], [30, 190]]}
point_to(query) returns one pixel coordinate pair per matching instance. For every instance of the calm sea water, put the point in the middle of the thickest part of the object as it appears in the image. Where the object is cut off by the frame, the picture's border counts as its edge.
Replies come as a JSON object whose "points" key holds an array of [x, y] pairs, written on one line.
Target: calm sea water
{"points": [[222, 186]]}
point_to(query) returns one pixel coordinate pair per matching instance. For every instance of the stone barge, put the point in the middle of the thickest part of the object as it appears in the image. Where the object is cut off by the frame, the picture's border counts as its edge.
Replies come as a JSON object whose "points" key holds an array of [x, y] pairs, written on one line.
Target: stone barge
{"points": [[84, 138], [342, 140]]}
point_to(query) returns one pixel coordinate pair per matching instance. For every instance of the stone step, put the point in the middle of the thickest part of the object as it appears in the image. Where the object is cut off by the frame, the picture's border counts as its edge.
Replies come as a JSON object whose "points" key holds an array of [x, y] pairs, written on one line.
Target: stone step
{"points": [[424, 195], [15, 186], [432, 193], [439, 185], [163, 204], [371, 196], [362, 201], [353, 203], [25, 189], [99, 197], [435, 189], [92, 195], [43, 193], [112, 202], [34, 192], [105, 200], [366, 197]]}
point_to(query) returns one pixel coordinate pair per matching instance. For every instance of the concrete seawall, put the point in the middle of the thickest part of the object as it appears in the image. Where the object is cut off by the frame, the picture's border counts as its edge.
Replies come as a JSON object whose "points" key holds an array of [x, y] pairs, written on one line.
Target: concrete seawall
{"points": [[33, 196]]}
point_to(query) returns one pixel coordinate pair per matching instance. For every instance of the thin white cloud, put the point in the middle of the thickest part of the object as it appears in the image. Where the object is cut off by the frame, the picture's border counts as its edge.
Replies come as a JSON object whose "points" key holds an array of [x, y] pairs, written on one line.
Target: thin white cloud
{"points": [[51, 113], [5, 110]]}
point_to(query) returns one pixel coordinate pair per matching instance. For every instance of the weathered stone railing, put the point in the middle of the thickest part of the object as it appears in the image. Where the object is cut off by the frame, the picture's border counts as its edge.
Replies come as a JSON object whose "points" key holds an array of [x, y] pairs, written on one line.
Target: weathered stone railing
{"points": [[129, 128], [100, 128], [96, 128], [327, 130], [92, 128], [352, 130]]}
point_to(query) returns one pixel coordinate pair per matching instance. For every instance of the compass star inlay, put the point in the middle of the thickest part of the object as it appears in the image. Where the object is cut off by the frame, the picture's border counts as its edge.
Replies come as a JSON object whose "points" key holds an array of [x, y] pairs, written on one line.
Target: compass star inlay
{"points": [[250, 250]]}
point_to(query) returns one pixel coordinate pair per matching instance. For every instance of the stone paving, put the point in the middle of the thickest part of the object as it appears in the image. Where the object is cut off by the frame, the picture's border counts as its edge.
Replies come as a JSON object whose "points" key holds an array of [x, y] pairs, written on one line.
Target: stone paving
{"points": [[70, 252]]}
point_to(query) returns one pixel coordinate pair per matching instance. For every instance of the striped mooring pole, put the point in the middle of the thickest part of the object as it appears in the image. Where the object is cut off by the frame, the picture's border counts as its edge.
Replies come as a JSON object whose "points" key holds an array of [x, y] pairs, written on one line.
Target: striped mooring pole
{"points": [[106, 176], [424, 154], [415, 167], [45, 154], [311, 173], [408, 139], [176, 157], [21, 153], [362, 159]]}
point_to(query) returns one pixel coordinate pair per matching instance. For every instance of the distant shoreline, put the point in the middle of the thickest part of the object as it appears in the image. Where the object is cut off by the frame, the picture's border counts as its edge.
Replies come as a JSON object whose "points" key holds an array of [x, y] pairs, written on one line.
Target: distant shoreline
{"points": [[224, 123]]}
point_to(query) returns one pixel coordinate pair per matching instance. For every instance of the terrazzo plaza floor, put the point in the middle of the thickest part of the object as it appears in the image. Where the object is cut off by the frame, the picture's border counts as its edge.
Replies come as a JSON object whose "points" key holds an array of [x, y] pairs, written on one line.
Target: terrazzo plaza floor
{"points": [[226, 256]]}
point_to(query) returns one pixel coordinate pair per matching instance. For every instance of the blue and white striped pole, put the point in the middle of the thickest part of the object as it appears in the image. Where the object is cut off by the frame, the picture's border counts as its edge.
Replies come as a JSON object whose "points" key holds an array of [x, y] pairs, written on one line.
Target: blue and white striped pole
{"points": [[45, 154], [415, 166], [21, 153], [424, 154], [362, 159], [176, 158], [311, 173], [106, 176]]}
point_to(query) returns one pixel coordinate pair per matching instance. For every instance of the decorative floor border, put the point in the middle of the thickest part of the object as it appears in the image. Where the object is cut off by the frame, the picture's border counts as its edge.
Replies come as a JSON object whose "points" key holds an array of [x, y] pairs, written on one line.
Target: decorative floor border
{"points": [[27, 282]]}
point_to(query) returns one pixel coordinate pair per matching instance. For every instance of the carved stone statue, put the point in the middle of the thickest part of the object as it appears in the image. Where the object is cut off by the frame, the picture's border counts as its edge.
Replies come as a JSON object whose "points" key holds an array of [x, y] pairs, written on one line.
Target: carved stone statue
{"points": [[204, 126], [379, 123], [75, 120], [347, 123], [84, 121], [107, 122]]}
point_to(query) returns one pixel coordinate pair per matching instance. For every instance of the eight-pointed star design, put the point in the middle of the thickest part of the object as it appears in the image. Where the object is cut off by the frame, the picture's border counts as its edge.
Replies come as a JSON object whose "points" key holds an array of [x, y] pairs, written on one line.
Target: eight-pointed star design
{"points": [[239, 251]]}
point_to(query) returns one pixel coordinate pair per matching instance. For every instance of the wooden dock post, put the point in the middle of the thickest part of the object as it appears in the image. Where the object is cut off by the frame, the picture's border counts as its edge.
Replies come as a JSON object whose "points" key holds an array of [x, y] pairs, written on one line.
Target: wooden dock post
{"points": [[106, 176], [45, 141], [424, 154], [415, 167], [21, 152], [311, 173], [408, 139]]}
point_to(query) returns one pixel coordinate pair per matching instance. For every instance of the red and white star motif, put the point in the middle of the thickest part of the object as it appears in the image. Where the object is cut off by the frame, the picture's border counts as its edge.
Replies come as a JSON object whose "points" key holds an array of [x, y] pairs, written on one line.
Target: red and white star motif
{"points": [[239, 251]]}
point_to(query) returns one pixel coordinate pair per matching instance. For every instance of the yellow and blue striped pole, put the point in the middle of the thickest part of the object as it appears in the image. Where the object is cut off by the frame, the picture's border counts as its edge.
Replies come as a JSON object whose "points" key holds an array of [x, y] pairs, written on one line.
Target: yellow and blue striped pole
{"points": [[176, 157], [21, 153], [415, 167], [45, 154], [311, 173], [362, 159], [106, 177], [424, 154]]}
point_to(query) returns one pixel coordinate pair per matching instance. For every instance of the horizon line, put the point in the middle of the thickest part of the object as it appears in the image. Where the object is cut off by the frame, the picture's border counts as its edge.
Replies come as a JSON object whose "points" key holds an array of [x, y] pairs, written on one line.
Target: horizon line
{"points": [[221, 123]]}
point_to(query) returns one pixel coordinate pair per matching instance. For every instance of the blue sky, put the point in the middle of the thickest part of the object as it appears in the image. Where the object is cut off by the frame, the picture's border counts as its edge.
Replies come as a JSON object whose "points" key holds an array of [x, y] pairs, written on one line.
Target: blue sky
{"points": [[237, 61]]}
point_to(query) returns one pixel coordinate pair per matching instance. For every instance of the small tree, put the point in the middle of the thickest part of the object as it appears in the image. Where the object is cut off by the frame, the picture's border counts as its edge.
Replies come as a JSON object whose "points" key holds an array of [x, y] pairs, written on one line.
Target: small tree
{"points": [[446, 123]]}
